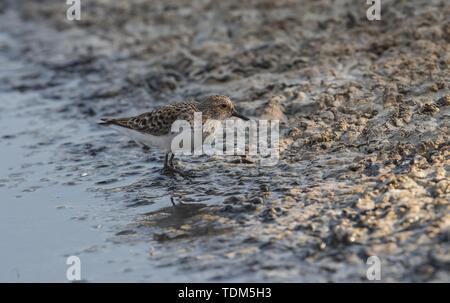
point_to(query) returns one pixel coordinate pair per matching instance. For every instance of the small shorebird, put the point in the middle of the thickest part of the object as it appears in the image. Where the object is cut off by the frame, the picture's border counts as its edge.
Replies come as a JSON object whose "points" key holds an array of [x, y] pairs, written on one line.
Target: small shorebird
{"points": [[154, 128]]}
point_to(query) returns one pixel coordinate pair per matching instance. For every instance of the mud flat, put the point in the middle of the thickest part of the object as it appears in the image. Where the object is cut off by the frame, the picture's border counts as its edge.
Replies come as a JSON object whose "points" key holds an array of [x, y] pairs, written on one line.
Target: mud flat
{"points": [[365, 159]]}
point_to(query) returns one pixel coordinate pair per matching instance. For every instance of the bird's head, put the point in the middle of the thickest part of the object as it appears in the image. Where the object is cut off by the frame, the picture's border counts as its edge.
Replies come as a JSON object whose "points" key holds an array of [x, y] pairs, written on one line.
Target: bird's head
{"points": [[219, 108]]}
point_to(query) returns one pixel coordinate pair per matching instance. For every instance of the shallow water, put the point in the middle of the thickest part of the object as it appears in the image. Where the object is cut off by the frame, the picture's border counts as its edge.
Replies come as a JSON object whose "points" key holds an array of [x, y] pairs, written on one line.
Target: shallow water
{"points": [[56, 202], [45, 215]]}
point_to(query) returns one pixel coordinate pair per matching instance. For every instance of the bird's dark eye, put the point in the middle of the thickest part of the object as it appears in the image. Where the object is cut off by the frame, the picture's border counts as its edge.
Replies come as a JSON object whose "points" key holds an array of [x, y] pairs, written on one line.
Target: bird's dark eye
{"points": [[224, 106]]}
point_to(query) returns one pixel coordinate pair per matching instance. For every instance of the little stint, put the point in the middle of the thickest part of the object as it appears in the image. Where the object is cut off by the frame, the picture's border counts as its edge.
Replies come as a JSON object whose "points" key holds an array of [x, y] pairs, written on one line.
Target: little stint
{"points": [[154, 128]]}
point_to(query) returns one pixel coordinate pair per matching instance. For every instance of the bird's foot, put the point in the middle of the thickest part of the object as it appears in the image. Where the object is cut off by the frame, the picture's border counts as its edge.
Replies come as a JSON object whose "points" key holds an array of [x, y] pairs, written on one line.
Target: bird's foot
{"points": [[173, 172]]}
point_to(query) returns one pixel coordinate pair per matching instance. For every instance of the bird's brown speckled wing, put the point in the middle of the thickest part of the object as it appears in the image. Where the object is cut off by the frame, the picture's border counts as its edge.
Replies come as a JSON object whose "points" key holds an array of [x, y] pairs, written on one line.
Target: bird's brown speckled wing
{"points": [[159, 121]]}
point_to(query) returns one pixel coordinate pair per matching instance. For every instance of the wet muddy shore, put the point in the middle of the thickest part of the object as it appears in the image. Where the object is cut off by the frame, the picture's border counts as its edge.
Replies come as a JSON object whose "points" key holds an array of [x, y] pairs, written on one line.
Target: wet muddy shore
{"points": [[364, 154]]}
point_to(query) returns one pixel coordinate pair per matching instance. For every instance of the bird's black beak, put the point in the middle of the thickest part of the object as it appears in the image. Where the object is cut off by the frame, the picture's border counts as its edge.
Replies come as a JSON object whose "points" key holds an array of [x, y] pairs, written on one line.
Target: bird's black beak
{"points": [[236, 114]]}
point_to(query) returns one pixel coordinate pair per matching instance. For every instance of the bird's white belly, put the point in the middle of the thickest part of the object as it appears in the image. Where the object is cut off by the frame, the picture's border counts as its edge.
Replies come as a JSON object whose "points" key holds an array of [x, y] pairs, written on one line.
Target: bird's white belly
{"points": [[162, 142]]}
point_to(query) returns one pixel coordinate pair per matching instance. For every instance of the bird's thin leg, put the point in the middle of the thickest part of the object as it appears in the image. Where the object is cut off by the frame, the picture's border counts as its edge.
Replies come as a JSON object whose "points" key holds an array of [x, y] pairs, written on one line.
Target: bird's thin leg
{"points": [[166, 161], [171, 159]]}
